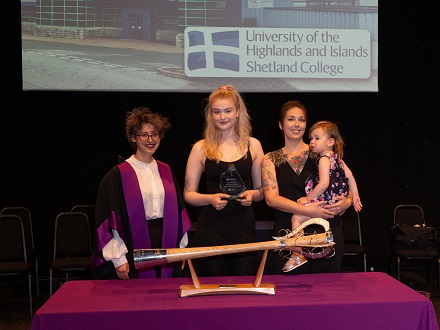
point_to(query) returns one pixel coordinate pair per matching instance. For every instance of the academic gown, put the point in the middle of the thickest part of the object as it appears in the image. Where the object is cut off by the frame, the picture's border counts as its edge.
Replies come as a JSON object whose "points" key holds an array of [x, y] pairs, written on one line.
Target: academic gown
{"points": [[119, 206]]}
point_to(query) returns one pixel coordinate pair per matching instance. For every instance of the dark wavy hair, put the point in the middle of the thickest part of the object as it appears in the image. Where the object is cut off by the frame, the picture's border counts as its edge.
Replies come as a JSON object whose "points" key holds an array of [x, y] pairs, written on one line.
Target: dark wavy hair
{"points": [[140, 116]]}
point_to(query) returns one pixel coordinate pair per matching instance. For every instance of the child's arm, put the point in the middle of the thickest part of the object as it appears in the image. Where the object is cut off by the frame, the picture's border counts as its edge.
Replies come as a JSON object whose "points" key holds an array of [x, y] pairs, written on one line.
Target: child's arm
{"points": [[353, 188], [324, 179]]}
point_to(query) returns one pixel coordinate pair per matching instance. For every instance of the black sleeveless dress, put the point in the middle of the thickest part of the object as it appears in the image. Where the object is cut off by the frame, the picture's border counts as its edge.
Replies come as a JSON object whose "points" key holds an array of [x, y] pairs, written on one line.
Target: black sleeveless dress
{"points": [[292, 186], [235, 224]]}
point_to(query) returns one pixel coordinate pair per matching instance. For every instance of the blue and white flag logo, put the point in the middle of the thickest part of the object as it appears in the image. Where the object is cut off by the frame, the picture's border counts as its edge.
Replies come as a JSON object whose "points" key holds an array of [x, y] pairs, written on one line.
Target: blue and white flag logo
{"points": [[218, 50], [277, 52]]}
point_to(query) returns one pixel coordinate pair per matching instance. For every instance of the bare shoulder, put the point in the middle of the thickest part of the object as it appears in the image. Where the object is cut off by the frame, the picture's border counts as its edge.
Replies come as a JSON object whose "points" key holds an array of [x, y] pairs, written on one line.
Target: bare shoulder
{"points": [[268, 157], [255, 144], [256, 149], [254, 141], [198, 146], [266, 162]]}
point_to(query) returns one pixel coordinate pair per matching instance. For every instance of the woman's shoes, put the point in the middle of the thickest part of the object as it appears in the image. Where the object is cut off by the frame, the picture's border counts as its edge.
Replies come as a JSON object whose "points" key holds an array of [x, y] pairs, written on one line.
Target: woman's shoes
{"points": [[293, 262]]}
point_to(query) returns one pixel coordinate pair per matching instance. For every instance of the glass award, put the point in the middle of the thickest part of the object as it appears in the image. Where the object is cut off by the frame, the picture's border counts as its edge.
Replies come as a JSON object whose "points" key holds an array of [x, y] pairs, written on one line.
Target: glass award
{"points": [[231, 182]]}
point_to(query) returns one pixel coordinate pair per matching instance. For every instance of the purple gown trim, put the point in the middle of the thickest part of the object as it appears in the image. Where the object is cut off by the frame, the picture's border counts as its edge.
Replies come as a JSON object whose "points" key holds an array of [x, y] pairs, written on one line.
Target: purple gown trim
{"points": [[104, 235], [175, 224], [136, 213]]}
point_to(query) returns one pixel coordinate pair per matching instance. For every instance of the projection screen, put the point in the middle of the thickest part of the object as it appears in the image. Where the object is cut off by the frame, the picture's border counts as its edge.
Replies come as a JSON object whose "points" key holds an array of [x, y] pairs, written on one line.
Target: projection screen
{"points": [[196, 46]]}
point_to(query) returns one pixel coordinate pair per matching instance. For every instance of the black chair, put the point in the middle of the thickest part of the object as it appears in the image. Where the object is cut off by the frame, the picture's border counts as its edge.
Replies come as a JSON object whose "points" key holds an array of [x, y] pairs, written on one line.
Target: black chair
{"points": [[72, 248], [89, 210], [13, 258], [351, 227], [413, 215], [32, 255]]}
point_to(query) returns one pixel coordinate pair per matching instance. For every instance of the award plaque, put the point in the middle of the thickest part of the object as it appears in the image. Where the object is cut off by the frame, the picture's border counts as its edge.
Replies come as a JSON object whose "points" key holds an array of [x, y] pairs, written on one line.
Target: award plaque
{"points": [[231, 182]]}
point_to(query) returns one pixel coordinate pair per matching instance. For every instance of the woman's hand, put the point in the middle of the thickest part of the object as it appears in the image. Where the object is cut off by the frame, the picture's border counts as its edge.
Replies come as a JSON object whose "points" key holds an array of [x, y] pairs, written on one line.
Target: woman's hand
{"points": [[316, 210], [246, 198], [302, 200], [219, 201], [341, 204], [122, 271]]}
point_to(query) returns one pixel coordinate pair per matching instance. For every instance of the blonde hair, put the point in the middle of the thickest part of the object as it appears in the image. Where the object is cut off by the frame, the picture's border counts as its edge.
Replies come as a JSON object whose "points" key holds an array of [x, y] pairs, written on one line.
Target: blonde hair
{"points": [[333, 132], [212, 134]]}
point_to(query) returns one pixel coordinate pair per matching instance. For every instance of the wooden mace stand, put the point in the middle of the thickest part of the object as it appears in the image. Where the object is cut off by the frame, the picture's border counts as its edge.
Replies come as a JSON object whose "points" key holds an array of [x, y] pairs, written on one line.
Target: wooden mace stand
{"points": [[256, 287]]}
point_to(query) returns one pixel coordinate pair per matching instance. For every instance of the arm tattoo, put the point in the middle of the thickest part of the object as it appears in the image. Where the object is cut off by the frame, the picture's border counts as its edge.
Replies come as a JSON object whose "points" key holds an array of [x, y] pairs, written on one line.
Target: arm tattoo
{"points": [[270, 183]]}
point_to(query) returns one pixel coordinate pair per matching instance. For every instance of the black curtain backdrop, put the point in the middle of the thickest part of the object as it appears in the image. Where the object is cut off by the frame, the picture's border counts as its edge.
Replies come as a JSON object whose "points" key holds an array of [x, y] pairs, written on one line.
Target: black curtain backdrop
{"points": [[56, 146]]}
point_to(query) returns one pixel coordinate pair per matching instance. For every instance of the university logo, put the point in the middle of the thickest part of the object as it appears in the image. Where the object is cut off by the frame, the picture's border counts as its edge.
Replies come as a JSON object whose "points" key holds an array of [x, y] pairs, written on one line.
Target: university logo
{"points": [[212, 50], [277, 52]]}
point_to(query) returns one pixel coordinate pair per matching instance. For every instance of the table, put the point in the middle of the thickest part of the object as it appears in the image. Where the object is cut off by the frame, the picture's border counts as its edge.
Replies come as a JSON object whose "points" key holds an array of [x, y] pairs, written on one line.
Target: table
{"points": [[320, 301]]}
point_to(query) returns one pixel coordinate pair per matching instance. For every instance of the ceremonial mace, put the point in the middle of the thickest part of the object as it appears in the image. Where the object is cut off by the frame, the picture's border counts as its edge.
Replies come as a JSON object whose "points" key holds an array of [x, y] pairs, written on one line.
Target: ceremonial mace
{"points": [[145, 258]]}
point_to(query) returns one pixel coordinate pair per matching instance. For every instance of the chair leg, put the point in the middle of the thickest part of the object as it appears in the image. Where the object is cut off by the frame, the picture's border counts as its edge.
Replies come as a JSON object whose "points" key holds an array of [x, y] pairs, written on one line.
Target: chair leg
{"points": [[30, 293], [365, 262], [398, 268], [37, 279], [50, 283]]}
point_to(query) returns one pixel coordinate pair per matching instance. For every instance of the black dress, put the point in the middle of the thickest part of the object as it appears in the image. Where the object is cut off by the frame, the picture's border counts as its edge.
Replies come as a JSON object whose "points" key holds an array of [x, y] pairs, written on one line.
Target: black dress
{"points": [[235, 224], [292, 186]]}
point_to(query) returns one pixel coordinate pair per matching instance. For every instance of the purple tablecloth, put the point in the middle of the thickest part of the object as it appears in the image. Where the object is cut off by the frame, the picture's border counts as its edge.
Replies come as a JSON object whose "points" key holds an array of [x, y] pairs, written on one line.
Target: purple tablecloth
{"points": [[320, 301]]}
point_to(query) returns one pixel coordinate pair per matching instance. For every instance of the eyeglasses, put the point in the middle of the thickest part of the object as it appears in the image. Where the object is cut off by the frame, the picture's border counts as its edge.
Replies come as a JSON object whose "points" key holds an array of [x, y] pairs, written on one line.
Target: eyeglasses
{"points": [[144, 136]]}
